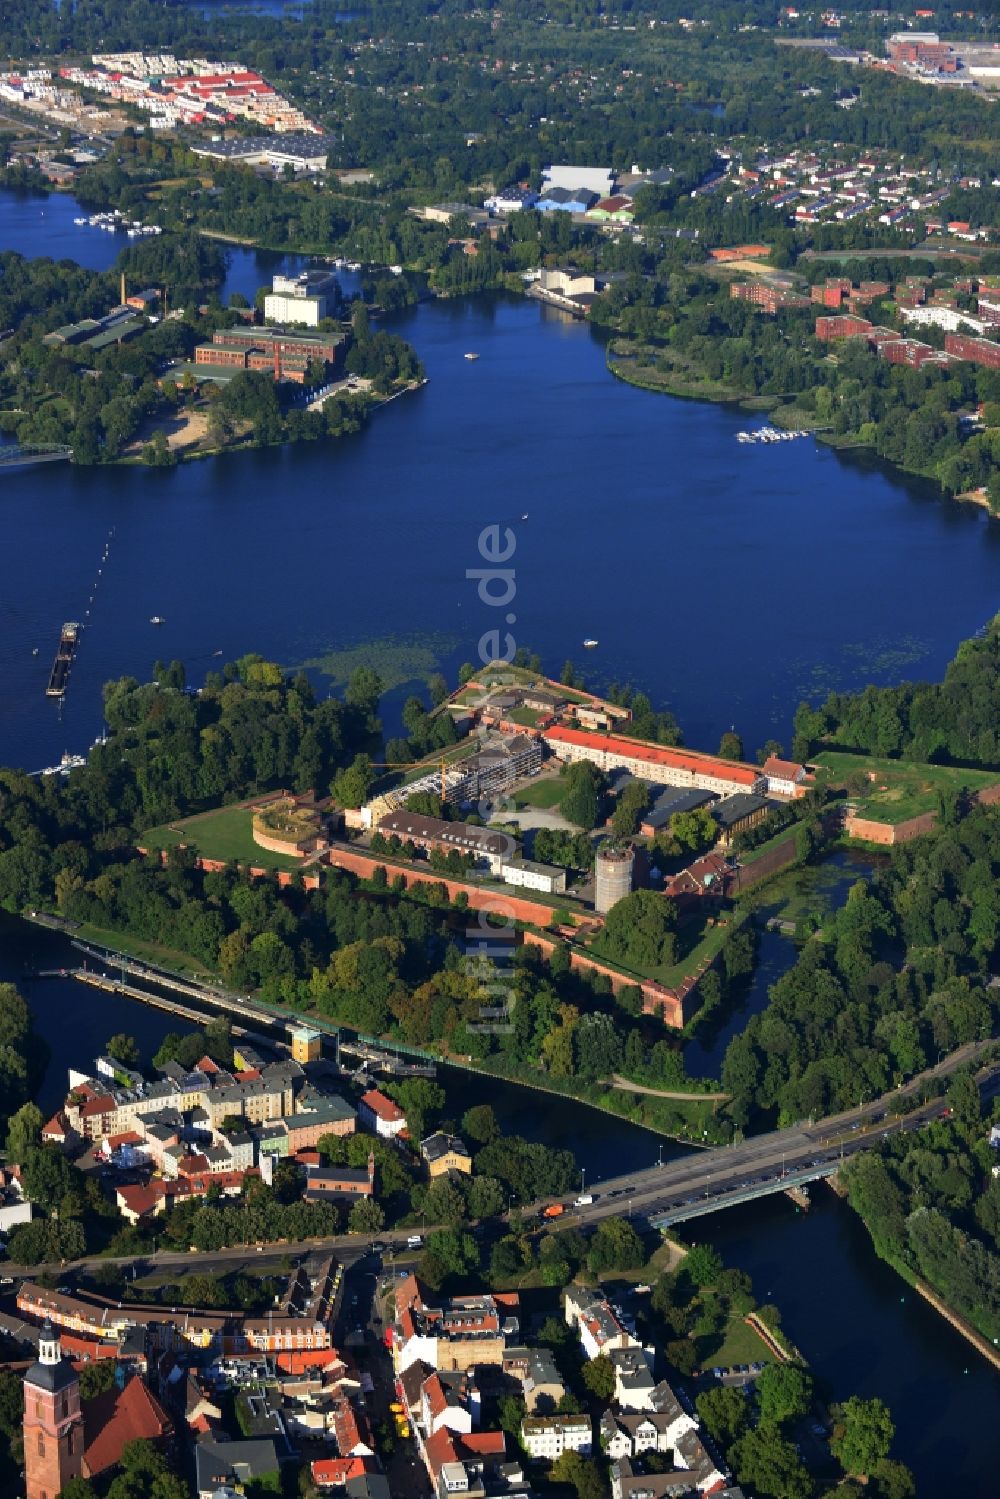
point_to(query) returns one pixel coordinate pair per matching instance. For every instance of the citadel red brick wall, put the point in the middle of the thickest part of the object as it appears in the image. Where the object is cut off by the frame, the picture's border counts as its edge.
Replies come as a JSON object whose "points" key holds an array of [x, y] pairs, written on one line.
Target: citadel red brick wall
{"points": [[364, 866], [669, 1004]]}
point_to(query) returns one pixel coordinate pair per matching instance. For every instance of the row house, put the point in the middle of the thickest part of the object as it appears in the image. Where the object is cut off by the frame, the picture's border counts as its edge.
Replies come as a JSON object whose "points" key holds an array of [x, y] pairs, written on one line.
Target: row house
{"points": [[599, 1327]]}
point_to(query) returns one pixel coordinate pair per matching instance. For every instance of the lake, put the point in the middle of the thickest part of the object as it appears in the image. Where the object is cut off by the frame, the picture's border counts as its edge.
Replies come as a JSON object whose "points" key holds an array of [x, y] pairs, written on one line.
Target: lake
{"points": [[727, 581]]}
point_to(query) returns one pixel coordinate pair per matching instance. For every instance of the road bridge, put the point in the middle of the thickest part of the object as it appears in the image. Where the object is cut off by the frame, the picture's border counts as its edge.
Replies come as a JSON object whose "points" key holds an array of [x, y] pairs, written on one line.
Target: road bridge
{"points": [[672, 1192]]}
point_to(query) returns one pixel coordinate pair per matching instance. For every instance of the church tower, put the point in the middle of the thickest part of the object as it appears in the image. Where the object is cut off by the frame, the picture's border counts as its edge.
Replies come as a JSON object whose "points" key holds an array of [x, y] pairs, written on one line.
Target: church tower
{"points": [[53, 1425]]}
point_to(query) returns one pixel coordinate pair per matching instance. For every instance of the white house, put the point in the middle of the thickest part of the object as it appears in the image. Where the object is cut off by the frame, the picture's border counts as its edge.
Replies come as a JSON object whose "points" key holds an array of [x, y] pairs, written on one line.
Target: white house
{"points": [[597, 1325], [549, 1437], [380, 1115], [784, 777]]}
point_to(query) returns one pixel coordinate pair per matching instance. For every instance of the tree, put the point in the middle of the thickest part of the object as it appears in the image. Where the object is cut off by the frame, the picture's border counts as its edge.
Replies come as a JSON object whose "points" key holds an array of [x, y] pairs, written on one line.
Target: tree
{"points": [[702, 1265], [599, 1377], [784, 1392], [580, 802], [769, 1465], [366, 1217], [23, 1132], [124, 1049], [863, 1434], [730, 746], [723, 1411], [479, 1124], [97, 1377], [580, 1473], [615, 1246]]}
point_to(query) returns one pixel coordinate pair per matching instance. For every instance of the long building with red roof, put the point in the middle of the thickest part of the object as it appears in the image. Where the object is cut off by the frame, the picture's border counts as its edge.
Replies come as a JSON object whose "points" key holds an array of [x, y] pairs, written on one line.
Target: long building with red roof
{"points": [[655, 762]]}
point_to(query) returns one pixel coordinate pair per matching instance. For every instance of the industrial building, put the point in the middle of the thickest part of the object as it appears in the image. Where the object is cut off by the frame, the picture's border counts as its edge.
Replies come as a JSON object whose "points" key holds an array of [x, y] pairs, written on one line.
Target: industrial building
{"points": [[286, 355], [659, 763], [305, 299], [303, 153]]}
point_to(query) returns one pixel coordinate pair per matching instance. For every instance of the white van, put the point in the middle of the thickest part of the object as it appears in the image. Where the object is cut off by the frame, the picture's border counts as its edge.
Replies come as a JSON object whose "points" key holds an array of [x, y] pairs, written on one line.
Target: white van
{"points": [[414, 1242], [585, 1201]]}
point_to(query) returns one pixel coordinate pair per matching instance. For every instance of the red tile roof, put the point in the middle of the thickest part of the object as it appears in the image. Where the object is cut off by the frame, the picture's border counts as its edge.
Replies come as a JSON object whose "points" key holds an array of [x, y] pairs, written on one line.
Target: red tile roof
{"points": [[103, 1104], [382, 1107], [786, 770], [656, 754], [117, 1417], [307, 1358], [333, 1472]]}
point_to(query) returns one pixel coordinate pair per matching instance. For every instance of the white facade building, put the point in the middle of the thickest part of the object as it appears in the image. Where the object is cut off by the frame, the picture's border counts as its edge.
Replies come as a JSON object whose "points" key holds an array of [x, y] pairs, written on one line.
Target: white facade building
{"points": [[949, 318], [549, 1437]]}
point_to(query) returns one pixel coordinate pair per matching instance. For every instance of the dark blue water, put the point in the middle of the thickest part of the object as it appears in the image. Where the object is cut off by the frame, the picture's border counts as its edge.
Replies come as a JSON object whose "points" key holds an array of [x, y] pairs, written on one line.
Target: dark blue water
{"points": [[728, 582], [865, 1332]]}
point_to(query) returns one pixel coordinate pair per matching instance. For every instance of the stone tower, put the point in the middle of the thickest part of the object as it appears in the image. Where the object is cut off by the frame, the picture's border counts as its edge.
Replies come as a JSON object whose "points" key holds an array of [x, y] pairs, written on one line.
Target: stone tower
{"points": [[53, 1425]]}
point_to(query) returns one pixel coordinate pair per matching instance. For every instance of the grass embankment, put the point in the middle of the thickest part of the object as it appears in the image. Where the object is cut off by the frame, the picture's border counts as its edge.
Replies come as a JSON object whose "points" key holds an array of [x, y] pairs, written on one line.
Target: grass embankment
{"points": [[225, 834], [147, 952], [896, 790]]}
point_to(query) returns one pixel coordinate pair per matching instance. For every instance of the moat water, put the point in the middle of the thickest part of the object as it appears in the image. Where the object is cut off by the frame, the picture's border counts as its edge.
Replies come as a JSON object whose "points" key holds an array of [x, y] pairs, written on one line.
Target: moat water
{"points": [[728, 583]]}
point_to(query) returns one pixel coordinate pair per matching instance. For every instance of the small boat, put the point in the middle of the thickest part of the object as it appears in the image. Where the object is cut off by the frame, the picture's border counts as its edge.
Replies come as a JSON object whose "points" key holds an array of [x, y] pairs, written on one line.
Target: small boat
{"points": [[525, 515], [157, 619], [589, 644], [35, 651], [471, 356]]}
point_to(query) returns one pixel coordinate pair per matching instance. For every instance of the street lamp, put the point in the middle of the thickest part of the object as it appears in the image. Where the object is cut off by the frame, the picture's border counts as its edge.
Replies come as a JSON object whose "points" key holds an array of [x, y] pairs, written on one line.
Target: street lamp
{"points": [[583, 1181], [659, 1159]]}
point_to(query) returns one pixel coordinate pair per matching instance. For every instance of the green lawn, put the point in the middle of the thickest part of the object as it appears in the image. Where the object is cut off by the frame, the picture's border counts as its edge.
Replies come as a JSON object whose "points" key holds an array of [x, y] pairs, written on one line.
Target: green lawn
{"points": [[896, 789], [224, 834], [546, 793], [739, 1345]]}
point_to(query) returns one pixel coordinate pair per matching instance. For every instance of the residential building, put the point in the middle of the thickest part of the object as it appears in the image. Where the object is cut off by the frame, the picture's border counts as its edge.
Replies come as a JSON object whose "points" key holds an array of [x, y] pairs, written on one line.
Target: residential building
{"points": [[598, 1326], [654, 762], [542, 1385], [983, 351], [785, 777], [845, 325], [443, 1153], [461, 1333], [380, 1115], [549, 1437], [233, 1465]]}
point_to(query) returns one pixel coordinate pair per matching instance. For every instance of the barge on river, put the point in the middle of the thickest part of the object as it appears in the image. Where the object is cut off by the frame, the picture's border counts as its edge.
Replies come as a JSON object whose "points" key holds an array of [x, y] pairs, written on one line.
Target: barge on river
{"points": [[59, 675]]}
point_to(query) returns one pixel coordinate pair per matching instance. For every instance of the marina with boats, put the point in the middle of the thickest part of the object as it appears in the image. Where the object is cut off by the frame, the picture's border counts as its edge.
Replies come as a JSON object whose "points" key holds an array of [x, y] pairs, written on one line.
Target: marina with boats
{"points": [[769, 434]]}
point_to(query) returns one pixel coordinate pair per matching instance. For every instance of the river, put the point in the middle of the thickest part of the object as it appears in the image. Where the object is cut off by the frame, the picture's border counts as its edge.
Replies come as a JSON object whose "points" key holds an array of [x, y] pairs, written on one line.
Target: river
{"points": [[860, 1327], [727, 581]]}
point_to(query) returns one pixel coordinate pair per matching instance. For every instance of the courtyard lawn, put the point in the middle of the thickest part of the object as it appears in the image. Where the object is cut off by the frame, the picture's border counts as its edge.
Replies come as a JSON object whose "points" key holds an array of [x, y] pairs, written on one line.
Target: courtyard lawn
{"points": [[224, 834], [896, 789], [546, 792]]}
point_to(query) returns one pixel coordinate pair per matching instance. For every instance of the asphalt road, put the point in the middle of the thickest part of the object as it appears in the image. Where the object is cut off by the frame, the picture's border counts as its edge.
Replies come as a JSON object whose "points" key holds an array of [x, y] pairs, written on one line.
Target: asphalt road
{"points": [[764, 1161]]}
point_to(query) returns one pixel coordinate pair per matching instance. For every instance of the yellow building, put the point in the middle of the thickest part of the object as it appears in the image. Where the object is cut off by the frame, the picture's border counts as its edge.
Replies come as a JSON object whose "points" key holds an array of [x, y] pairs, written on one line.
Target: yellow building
{"points": [[443, 1153], [307, 1044]]}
